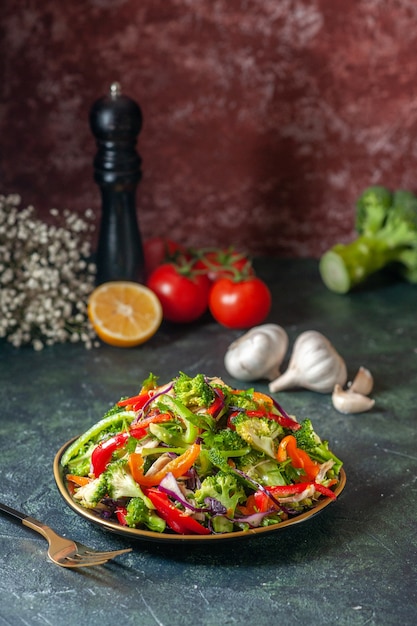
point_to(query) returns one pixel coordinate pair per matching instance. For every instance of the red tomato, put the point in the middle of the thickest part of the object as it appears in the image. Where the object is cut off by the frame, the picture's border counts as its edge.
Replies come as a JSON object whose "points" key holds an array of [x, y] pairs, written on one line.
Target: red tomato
{"points": [[224, 264], [159, 250], [183, 296], [240, 304]]}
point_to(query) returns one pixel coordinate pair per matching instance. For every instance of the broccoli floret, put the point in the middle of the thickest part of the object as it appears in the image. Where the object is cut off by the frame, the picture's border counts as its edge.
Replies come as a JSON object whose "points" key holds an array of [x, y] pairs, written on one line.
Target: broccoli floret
{"points": [[224, 487], [261, 468], [371, 209], [308, 440], [193, 392], [138, 514], [259, 432], [222, 445], [387, 236], [244, 400], [226, 440], [89, 495], [120, 483]]}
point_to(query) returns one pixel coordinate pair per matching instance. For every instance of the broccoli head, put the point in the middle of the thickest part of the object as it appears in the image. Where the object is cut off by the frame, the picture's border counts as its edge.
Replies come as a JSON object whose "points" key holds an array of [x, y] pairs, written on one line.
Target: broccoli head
{"points": [[387, 236], [90, 494], [223, 487], [193, 392], [371, 209], [120, 482], [261, 468], [222, 445], [139, 515], [308, 440], [259, 432]]}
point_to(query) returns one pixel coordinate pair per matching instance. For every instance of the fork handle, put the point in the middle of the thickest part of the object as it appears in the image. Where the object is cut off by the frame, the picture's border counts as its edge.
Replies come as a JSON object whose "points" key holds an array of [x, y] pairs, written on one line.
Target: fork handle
{"points": [[28, 521], [12, 512]]}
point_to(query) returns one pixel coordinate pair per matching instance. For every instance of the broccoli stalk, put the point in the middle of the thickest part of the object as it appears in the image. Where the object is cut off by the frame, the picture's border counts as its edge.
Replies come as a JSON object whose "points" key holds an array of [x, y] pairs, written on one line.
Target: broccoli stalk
{"points": [[387, 235]]}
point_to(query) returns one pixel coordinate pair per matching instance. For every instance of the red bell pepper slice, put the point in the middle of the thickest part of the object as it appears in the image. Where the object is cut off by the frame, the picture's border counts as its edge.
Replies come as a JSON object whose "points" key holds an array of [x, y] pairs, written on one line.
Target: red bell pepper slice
{"points": [[263, 503], [136, 402], [178, 521], [325, 491], [229, 420], [285, 422], [154, 418], [102, 453], [217, 403], [121, 513]]}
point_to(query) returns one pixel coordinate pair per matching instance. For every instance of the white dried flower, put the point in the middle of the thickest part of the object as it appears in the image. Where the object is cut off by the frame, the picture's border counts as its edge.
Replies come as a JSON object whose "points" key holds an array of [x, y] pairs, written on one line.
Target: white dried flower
{"points": [[45, 276]]}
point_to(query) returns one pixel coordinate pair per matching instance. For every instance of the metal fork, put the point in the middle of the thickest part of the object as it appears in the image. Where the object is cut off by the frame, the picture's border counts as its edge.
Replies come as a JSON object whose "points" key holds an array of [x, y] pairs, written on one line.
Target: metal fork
{"points": [[61, 551]]}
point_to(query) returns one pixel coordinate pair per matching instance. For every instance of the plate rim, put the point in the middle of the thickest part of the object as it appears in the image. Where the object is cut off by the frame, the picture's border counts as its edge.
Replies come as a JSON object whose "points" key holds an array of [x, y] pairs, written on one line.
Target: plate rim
{"points": [[136, 533]]}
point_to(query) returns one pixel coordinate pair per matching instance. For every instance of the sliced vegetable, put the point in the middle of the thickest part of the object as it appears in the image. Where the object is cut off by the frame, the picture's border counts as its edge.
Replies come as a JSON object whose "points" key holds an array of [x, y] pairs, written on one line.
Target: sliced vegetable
{"points": [[102, 453], [177, 466], [176, 519], [299, 458]]}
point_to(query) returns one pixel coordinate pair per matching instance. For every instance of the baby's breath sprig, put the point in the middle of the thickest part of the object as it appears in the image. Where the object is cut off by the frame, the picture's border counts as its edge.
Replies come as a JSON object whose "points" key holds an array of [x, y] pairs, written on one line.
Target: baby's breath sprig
{"points": [[45, 276]]}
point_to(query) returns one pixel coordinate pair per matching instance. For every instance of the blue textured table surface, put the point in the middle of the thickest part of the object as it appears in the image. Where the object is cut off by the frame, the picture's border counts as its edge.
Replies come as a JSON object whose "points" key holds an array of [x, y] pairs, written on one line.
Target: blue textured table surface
{"points": [[355, 563]]}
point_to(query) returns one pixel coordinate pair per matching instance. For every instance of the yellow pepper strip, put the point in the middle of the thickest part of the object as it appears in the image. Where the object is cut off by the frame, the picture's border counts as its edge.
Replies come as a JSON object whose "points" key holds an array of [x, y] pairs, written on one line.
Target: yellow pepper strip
{"points": [[177, 466]]}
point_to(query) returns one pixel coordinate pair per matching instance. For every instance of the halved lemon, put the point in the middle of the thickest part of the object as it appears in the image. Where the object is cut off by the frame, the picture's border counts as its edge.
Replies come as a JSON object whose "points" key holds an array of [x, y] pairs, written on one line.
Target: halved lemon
{"points": [[124, 313]]}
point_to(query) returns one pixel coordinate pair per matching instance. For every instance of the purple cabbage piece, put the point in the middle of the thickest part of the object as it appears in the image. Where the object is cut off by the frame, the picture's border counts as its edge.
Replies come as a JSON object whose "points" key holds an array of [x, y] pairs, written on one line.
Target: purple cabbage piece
{"points": [[170, 486], [142, 411]]}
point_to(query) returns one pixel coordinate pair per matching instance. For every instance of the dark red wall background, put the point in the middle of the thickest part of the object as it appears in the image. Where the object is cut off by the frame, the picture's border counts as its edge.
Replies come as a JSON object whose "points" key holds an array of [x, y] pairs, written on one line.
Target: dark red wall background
{"points": [[263, 120]]}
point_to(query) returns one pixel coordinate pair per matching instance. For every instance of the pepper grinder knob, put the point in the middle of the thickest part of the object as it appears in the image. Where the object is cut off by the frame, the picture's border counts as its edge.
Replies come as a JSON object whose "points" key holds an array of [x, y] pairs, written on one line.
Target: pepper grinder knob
{"points": [[116, 121]]}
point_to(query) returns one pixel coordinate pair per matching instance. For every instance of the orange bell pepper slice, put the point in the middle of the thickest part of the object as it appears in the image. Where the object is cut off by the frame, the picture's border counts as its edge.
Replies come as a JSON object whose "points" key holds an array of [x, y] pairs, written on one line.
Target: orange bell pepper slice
{"points": [[299, 458], [80, 481], [177, 466]]}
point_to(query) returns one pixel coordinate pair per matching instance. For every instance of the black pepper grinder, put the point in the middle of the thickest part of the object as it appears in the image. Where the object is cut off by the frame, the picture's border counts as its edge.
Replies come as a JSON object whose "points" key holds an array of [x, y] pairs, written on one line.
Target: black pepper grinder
{"points": [[116, 122]]}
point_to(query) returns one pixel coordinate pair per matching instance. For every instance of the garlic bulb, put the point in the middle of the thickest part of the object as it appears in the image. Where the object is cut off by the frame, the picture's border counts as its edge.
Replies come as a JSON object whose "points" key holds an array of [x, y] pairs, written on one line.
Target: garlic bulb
{"points": [[258, 353], [350, 401], [314, 364]]}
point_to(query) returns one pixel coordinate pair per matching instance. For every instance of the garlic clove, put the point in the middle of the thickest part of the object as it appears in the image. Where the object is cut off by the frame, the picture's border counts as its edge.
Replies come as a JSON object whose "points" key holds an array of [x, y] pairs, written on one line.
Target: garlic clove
{"points": [[350, 401], [314, 364], [362, 383], [257, 354]]}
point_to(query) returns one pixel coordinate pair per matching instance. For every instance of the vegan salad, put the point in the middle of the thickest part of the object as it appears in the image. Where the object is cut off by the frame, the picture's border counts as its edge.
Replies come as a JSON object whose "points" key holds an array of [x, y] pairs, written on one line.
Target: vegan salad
{"points": [[195, 456]]}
